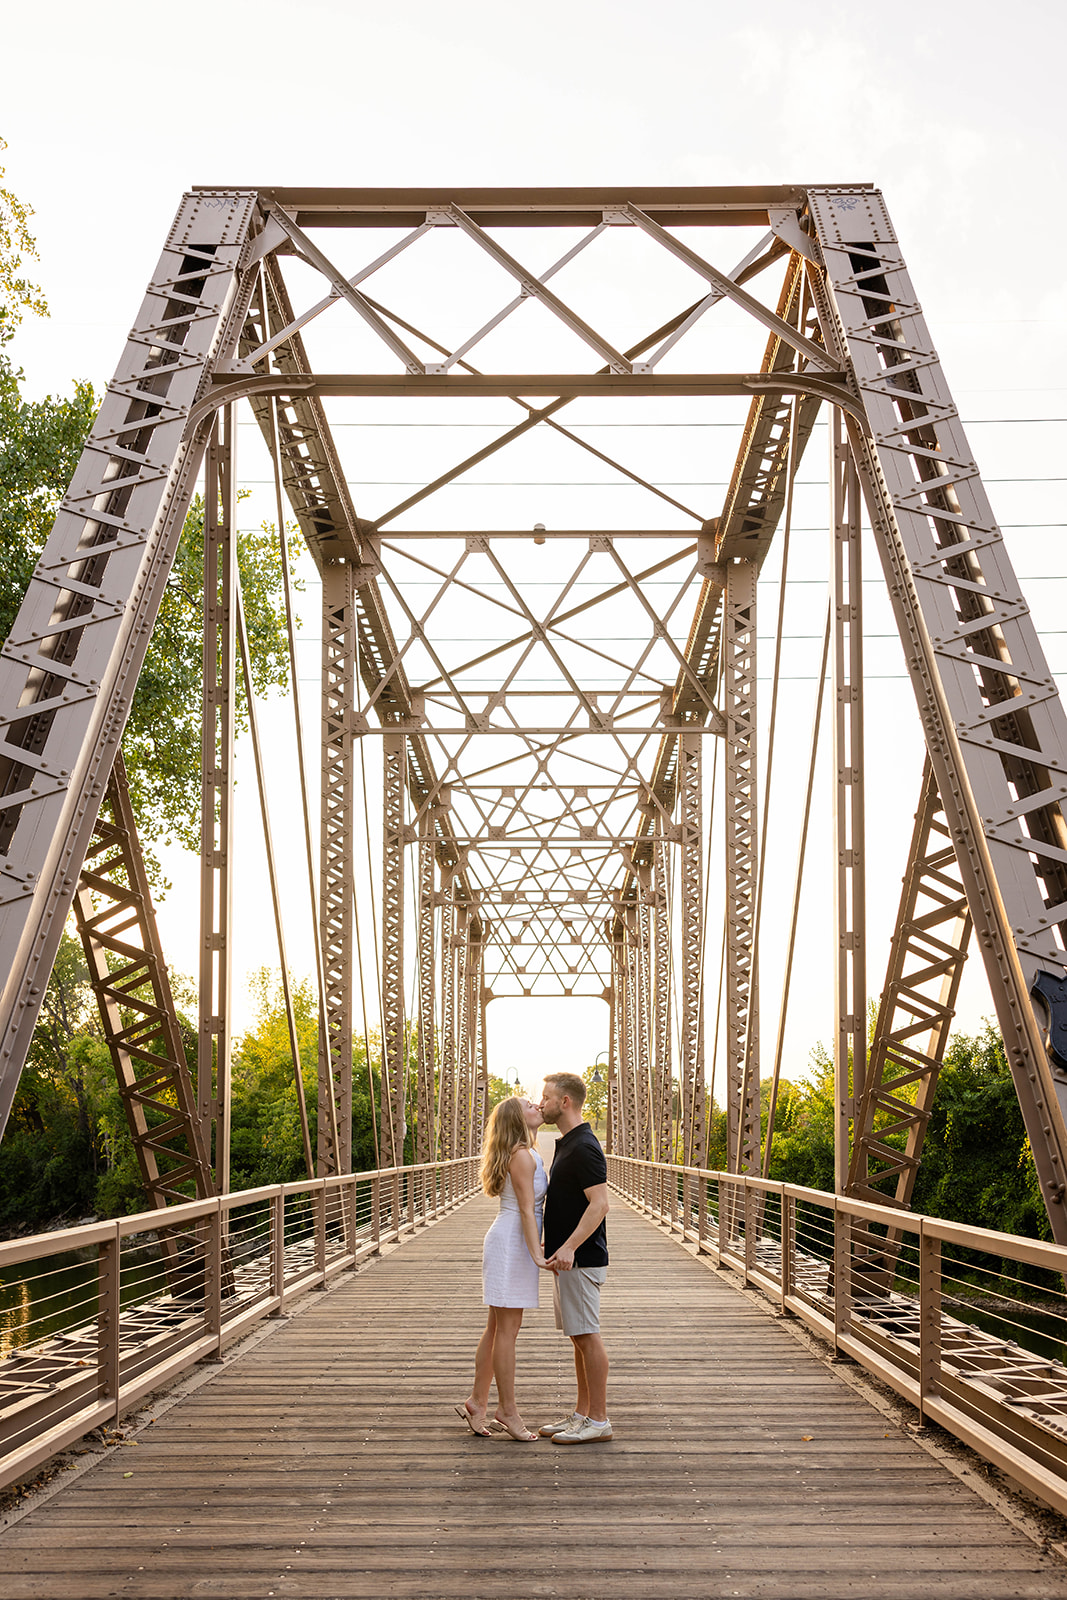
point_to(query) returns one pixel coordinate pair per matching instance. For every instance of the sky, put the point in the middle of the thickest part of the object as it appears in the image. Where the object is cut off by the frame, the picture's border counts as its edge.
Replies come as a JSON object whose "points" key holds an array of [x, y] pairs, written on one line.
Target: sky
{"points": [[111, 111]]}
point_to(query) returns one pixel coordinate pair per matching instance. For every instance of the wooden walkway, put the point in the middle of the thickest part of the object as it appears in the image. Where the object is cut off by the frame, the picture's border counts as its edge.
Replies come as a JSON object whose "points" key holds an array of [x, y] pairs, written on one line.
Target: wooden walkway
{"points": [[325, 1462]]}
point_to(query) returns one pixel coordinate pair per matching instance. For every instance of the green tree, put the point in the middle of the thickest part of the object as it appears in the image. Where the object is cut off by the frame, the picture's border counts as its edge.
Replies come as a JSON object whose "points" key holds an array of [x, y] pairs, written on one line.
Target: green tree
{"points": [[977, 1165], [51, 1156], [161, 745], [499, 1089], [40, 442], [17, 244], [266, 1143], [596, 1094]]}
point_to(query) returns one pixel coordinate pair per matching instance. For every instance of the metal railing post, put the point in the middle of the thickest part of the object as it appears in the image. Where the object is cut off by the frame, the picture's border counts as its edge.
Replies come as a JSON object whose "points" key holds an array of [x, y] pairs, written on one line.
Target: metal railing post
{"points": [[788, 1244], [213, 1280], [277, 1251], [929, 1318], [109, 1342], [842, 1272], [376, 1211], [318, 1213]]}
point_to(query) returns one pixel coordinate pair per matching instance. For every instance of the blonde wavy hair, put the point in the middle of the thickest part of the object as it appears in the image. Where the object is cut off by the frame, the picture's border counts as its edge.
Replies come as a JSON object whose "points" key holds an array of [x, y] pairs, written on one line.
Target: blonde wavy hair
{"points": [[505, 1132]]}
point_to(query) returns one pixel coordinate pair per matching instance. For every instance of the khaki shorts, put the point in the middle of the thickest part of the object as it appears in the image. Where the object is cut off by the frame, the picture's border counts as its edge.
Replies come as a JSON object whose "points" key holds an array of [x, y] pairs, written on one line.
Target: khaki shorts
{"points": [[576, 1297]]}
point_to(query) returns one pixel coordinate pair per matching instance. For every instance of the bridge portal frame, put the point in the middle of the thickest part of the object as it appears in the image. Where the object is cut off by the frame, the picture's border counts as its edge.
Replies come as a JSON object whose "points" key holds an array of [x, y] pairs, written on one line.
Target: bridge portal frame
{"points": [[217, 327]]}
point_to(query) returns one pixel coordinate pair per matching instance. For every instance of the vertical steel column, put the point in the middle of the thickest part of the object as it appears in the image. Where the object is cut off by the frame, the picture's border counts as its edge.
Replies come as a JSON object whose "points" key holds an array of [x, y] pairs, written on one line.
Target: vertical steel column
{"points": [[616, 1097], [643, 1063], [462, 1060], [479, 1060], [426, 1142], [216, 803], [447, 1092], [691, 1070], [629, 1041], [850, 966], [742, 869], [336, 872], [394, 1063], [661, 1079]]}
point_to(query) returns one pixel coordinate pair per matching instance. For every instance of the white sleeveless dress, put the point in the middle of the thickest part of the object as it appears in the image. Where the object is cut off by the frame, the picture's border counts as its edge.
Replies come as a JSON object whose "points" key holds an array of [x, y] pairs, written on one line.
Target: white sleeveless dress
{"points": [[509, 1277]]}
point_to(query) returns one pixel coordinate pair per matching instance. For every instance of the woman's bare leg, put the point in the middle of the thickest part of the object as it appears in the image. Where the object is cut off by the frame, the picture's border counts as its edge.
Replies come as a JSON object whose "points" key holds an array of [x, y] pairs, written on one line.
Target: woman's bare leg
{"points": [[508, 1323], [477, 1402]]}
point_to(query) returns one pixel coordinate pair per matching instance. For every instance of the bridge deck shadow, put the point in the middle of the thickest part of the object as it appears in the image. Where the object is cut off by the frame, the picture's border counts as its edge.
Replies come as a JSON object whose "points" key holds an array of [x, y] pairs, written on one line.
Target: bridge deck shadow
{"points": [[325, 1462]]}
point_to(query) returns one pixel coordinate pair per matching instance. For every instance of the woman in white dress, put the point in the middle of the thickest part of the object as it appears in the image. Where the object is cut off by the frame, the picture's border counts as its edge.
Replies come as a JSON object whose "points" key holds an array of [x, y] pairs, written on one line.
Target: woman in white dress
{"points": [[511, 1260]]}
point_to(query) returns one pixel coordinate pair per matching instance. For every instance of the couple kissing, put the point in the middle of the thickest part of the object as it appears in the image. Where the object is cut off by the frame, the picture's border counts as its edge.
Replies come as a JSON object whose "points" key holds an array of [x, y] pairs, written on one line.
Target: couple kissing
{"points": [[548, 1222]]}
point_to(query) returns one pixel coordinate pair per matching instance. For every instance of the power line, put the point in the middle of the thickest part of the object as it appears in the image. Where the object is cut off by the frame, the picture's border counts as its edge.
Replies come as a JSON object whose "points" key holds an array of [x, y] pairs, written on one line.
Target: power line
{"points": [[971, 422]]}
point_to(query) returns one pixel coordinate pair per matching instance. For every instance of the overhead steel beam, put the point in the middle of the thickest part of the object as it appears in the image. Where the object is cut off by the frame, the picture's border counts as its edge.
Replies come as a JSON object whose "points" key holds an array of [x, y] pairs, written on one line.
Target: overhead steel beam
{"points": [[228, 386]]}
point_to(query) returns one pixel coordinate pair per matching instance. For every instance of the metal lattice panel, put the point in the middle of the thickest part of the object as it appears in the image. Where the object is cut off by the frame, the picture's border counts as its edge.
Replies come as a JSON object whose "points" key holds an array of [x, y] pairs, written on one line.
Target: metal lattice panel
{"points": [[918, 1002], [394, 1034], [113, 910], [336, 875], [742, 869]]}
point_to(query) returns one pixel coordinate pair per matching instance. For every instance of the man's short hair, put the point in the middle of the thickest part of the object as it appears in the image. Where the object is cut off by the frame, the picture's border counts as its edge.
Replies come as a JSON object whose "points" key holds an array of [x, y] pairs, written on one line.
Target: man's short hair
{"points": [[570, 1084]]}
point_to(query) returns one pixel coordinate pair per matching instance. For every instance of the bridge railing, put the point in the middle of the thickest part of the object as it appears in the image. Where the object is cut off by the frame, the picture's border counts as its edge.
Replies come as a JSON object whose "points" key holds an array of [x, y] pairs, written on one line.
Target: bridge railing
{"points": [[968, 1325], [95, 1318]]}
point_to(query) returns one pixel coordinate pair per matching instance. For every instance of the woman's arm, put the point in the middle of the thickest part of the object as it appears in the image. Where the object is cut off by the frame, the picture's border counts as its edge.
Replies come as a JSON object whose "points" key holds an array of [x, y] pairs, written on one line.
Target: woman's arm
{"points": [[522, 1171]]}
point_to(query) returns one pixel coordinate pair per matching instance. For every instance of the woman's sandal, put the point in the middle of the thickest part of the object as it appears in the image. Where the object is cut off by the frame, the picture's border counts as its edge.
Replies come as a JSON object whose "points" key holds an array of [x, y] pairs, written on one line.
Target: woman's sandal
{"points": [[525, 1437], [479, 1433]]}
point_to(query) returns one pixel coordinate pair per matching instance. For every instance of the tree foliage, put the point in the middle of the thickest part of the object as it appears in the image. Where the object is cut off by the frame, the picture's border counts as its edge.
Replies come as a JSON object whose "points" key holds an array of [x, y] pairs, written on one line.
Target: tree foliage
{"points": [[67, 1151], [161, 745], [18, 293]]}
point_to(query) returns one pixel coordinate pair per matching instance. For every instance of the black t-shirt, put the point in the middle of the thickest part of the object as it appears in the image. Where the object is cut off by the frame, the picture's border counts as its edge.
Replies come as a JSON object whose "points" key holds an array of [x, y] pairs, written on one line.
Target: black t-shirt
{"points": [[577, 1165]]}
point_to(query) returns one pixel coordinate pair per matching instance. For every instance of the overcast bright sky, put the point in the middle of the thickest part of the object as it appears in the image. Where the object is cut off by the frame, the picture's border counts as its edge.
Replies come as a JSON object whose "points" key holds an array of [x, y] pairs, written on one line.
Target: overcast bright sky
{"points": [[112, 110]]}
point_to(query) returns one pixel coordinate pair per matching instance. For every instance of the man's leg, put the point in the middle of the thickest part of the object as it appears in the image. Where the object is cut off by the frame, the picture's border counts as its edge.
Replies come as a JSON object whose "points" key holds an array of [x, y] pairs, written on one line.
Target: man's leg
{"points": [[582, 1402], [591, 1363]]}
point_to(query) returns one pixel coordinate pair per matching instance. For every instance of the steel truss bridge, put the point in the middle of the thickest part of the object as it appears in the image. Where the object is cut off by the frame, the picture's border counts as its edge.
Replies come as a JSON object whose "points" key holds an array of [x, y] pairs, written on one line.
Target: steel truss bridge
{"points": [[552, 711], [548, 703]]}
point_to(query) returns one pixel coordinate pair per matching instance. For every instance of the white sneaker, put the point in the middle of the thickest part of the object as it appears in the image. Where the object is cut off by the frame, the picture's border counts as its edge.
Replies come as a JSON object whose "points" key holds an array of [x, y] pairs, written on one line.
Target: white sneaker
{"points": [[550, 1429], [583, 1432]]}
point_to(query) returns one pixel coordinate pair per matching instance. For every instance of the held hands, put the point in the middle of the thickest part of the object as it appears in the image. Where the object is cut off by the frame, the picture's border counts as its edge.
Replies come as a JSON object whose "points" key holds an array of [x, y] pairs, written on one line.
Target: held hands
{"points": [[562, 1261]]}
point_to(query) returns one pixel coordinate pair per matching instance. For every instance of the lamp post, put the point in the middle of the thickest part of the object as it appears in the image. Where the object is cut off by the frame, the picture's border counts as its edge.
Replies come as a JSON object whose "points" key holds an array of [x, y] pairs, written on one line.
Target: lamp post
{"points": [[597, 1081]]}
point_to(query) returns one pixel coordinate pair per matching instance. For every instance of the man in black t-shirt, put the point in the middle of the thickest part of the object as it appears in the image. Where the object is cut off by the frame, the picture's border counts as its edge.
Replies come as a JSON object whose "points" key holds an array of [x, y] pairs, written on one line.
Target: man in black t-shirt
{"points": [[576, 1245]]}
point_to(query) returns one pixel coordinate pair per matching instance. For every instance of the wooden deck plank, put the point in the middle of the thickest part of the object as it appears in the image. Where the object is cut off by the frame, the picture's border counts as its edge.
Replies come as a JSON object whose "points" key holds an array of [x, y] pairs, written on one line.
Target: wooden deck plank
{"points": [[325, 1463]]}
